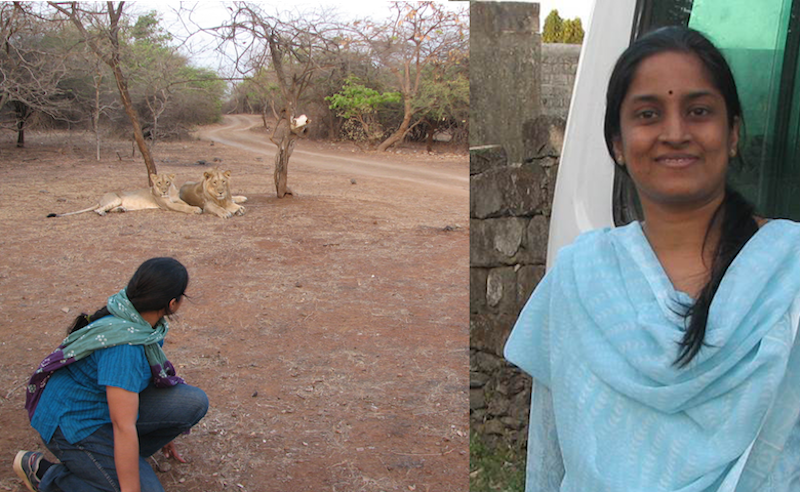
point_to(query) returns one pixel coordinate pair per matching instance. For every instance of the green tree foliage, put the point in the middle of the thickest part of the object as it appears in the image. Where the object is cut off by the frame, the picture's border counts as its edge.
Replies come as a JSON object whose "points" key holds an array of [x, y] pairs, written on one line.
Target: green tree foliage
{"points": [[197, 100], [32, 67], [553, 26], [573, 31], [443, 102], [168, 92], [558, 30], [147, 30], [361, 104], [418, 37], [343, 64], [355, 99]]}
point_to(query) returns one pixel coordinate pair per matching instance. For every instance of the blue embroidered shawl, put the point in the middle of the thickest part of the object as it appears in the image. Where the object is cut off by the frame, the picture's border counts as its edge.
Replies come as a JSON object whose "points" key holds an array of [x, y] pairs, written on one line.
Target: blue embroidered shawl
{"points": [[602, 331]]}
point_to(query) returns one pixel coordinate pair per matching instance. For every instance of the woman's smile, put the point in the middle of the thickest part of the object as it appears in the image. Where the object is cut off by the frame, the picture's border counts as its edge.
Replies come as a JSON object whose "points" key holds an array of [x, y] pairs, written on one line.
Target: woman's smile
{"points": [[677, 160]]}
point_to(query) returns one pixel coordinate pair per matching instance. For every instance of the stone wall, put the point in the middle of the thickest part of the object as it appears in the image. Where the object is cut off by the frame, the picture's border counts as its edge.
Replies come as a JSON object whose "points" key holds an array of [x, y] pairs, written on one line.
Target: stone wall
{"points": [[509, 219], [519, 97], [558, 67], [504, 85]]}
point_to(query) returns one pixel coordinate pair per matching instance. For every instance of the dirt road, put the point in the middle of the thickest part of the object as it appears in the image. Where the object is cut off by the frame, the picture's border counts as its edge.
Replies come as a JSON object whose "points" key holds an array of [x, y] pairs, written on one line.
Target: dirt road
{"points": [[236, 131], [329, 329]]}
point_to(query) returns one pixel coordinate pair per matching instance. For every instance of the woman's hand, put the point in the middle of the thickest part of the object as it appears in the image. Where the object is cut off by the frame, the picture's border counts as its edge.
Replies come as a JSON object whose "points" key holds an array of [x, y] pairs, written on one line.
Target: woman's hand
{"points": [[170, 451]]}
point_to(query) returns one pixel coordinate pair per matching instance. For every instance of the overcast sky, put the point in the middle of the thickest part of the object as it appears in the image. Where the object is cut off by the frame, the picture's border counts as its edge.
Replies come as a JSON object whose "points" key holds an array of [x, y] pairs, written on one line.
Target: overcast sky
{"points": [[567, 9], [211, 13]]}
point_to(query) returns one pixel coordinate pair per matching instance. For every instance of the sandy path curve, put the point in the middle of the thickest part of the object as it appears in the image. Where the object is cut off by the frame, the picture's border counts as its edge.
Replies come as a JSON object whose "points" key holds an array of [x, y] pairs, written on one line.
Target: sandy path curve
{"points": [[235, 131]]}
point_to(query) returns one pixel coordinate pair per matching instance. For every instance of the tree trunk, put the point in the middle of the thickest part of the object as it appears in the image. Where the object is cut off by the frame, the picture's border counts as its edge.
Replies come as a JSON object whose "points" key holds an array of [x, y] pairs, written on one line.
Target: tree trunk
{"points": [[22, 113], [287, 136], [95, 123], [154, 133], [157, 108], [96, 115], [432, 127], [282, 164], [334, 128], [20, 134], [122, 85], [401, 132], [285, 147]]}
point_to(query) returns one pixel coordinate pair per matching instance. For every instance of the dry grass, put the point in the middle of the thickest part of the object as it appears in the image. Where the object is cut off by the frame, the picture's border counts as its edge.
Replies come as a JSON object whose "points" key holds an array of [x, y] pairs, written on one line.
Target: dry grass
{"points": [[329, 329]]}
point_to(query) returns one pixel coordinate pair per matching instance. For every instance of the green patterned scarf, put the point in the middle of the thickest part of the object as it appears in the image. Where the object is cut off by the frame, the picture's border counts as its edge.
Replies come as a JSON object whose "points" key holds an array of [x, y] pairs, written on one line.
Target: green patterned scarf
{"points": [[124, 326]]}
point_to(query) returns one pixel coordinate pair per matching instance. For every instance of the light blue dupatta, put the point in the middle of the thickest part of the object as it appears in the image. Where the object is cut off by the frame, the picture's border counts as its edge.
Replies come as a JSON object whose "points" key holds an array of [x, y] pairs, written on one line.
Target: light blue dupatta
{"points": [[602, 331]]}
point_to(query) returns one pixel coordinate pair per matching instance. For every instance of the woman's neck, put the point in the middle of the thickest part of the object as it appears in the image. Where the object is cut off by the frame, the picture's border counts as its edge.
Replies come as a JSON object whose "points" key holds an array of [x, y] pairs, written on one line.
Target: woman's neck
{"points": [[683, 243], [152, 317], [675, 229]]}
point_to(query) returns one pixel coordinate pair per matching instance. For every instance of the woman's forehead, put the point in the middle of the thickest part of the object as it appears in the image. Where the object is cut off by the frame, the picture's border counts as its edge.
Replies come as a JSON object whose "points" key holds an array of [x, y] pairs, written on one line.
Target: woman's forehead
{"points": [[671, 74]]}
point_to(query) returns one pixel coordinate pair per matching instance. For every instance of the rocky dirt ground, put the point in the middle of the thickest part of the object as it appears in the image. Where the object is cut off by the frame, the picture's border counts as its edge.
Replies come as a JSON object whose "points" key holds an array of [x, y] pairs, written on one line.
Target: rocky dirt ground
{"points": [[329, 329]]}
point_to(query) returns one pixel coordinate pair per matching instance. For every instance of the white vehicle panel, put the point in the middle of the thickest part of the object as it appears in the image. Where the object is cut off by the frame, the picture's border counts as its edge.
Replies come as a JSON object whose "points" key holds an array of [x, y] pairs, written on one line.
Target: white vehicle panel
{"points": [[584, 186]]}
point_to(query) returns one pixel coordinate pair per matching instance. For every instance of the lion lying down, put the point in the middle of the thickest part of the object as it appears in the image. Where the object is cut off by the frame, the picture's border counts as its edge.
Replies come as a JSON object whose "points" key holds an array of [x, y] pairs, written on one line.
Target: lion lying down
{"points": [[213, 194], [162, 194]]}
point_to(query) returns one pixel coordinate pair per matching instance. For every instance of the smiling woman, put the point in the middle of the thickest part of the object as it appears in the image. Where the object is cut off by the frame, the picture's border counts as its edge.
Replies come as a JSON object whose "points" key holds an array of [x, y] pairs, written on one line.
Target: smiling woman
{"points": [[673, 114], [676, 135], [668, 345]]}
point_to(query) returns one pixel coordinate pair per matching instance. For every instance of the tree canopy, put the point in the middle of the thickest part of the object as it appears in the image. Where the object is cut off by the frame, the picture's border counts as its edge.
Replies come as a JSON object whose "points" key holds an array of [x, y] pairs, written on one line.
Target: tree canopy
{"points": [[404, 76], [361, 104], [419, 51], [558, 30]]}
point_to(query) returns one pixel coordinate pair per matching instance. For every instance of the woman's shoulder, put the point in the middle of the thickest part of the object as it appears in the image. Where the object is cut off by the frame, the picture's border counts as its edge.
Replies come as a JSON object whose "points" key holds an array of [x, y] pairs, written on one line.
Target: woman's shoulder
{"points": [[778, 224], [593, 242], [778, 233], [120, 352], [607, 234]]}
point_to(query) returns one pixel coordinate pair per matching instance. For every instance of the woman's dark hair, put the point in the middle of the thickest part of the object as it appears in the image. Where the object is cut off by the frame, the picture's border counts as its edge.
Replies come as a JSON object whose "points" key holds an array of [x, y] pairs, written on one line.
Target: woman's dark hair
{"points": [[156, 282], [735, 214]]}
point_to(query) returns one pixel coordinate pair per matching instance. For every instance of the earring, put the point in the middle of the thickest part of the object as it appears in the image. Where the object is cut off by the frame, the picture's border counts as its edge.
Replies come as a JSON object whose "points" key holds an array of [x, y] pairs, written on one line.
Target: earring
{"points": [[733, 152], [620, 160]]}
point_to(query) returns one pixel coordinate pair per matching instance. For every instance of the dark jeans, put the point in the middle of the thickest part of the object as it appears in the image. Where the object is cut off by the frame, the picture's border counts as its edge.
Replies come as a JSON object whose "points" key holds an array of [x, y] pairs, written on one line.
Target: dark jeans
{"points": [[88, 465]]}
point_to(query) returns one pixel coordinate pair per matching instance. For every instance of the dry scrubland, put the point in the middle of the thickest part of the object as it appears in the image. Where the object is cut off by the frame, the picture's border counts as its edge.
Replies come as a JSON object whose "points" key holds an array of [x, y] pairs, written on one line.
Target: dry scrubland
{"points": [[330, 329]]}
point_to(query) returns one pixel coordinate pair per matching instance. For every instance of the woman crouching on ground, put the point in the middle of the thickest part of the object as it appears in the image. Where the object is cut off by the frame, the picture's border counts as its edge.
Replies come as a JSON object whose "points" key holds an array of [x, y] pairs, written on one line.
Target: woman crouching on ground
{"points": [[108, 398]]}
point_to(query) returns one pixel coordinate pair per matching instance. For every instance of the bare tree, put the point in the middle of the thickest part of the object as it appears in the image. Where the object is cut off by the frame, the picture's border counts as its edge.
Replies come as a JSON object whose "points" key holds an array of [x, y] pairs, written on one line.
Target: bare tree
{"points": [[160, 70], [99, 106], [418, 35], [87, 83], [157, 83], [259, 93], [106, 46], [30, 68], [292, 45]]}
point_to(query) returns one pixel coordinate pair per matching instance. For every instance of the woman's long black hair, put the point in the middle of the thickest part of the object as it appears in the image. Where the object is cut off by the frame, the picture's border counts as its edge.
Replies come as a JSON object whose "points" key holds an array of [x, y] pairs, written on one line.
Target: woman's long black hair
{"points": [[156, 282], [735, 215]]}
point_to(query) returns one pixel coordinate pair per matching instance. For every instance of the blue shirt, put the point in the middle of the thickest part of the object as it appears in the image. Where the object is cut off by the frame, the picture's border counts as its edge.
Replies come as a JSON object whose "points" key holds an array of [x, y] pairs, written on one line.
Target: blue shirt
{"points": [[75, 397]]}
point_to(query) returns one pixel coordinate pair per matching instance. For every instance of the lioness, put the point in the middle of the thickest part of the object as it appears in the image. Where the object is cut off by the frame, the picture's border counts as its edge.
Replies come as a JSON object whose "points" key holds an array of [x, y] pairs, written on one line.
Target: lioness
{"points": [[162, 194], [213, 194]]}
